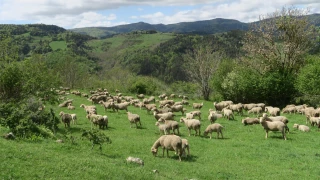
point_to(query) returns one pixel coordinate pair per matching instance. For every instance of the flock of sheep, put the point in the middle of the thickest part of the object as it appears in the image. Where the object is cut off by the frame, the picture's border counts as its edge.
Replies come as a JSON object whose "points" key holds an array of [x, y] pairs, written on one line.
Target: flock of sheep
{"points": [[164, 109]]}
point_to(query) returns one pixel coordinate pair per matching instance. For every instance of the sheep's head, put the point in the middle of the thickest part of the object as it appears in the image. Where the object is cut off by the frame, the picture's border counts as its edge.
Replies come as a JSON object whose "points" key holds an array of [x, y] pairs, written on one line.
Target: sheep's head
{"points": [[61, 113], [205, 133], [157, 124], [154, 151], [161, 119], [296, 126]]}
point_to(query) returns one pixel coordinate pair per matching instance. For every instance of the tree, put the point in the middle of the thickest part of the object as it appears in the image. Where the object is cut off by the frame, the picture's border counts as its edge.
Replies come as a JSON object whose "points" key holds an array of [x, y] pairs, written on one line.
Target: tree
{"points": [[279, 41], [200, 65]]}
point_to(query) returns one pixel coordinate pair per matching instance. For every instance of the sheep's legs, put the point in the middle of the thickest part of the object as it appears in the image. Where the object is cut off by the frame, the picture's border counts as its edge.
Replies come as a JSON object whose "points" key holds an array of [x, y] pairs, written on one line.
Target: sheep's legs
{"points": [[266, 134]]}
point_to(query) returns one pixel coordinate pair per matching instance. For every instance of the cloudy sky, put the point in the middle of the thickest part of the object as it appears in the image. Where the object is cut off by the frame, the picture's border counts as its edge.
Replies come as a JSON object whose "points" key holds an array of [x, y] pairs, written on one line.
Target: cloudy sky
{"points": [[88, 13]]}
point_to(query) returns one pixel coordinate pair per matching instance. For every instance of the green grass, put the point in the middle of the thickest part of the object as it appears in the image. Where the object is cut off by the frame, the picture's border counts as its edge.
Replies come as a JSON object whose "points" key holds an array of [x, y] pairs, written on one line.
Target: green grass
{"points": [[244, 153], [58, 45]]}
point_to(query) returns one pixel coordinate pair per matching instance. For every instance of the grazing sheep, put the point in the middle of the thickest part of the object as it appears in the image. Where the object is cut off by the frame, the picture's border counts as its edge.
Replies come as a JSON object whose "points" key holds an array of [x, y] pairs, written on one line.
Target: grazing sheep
{"points": [[219, 106], [162, 128], [273, 111], [194, 124], [170, 143], [140, 96], [163, 110], [250, 121], [164, 102], [197, 105], [185, 145], [196, 113], [107, 105], [168, 115], [255, 110], [249, 106], [121, 106], [134, 118], [270, 125], [135, 160], [176, 108], [171, 125], [213, 116], [65, 103], [89, 109], [313, 120], [149, 107], [289, 110], [227, 113], [216, 127], [236, 108], [279, 118], [101, 121], [303, 128], [65, 118]]}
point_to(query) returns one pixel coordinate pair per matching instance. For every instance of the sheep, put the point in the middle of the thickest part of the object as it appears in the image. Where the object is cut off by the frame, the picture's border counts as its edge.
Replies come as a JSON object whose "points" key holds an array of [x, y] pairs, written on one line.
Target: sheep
{"points": [[101, 121], [255, 110], [149, 107], [107, 105], [227, 113], [74, 118], [213, 116], [216, 127], [273, 111], [134, 118], [289, 110], [65, 118], [135, 160], [312, 120], [70, 107], [302, 128], [280, 118], [197, 105], [168, 142], [140, 96], [250, 121], [189, 115], [192, 124], [171, 125], [249, 106], [163, 110], [176, 108], [219, 106], [164, 102], [162, 128], [196, 113], [185, 145], [121, 106], [168, 115], [236, 107], [65, 103], [88, 108], [269, 125]]}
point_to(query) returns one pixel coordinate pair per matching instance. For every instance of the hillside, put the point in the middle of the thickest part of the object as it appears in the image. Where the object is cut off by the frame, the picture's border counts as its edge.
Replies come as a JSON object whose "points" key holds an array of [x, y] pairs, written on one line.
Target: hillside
{"points": [[212, 26], [198, 27]]}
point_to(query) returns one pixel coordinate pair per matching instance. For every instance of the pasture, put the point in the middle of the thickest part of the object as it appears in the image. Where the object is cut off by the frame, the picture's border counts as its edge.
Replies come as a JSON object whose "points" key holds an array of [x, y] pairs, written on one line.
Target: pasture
{"points": [[244, 153]]}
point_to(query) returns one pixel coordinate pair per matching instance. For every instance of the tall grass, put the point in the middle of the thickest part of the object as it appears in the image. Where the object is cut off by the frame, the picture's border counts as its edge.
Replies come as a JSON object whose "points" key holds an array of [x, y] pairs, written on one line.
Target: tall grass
{"points": [[244, 153]]}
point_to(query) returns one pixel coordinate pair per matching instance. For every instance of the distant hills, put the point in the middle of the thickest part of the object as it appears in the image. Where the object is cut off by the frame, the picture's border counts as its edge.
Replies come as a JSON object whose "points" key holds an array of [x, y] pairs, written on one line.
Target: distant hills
{"points": [[213, 26]]}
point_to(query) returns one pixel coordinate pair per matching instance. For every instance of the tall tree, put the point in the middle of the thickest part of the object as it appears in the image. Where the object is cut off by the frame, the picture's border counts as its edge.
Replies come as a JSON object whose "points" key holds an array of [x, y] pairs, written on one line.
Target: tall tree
{"points": [[279, 41], [200, 65]]}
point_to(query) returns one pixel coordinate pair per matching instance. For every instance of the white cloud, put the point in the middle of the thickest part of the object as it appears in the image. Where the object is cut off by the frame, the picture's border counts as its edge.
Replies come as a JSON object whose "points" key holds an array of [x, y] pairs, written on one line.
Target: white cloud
{"points": [[83, 13]]}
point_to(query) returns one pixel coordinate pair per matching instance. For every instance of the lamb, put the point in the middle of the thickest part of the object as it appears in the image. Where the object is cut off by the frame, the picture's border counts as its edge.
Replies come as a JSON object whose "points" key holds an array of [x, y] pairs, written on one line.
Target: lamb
{"points": [[185, 145], [168, 115], [302, 128], [134, 118], [168, 142], [192, 124], [162, 128], [213, 116], [121, 106], [250, 121], [216, 127], [269, 125], [227, 113], [70, 107], [256, 110], [135, 160], [65, 118], [171, 125], [197, 105], [312, 120], [74, 118]]}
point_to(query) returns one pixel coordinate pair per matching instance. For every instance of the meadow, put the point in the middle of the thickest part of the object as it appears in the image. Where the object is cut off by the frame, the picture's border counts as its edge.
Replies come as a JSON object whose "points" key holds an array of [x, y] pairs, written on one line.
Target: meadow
{"points": [[243, 153]]}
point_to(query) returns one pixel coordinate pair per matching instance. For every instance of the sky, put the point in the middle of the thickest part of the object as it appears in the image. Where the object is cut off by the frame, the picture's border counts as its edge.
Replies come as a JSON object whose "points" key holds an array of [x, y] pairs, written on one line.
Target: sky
{"points": [[71, 14]]}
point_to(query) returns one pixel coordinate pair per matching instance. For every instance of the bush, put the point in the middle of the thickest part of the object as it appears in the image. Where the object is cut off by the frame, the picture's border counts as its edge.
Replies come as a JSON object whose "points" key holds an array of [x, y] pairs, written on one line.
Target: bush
{"points": [[143, 85]]}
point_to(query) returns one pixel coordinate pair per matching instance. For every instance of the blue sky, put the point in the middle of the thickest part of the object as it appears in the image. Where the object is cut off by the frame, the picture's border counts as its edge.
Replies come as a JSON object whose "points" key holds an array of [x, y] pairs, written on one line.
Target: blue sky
{"points": [[92, 13]]}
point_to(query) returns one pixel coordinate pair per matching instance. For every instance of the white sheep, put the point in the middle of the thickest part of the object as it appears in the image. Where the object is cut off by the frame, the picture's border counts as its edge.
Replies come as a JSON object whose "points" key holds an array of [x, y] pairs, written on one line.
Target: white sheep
{"points": [[171, 125], [135, 160], [194, 124], [134, 119], [121, 106], [185, 145], [70, 107], [197, 105], [270, 125], [196, 113], [168, 115], [313, 120], [216, 127], [250, 121], [227, 113], [74, 118], [213, 116], [303, 128], [162, 128], [170, 143], [176, 108], [255, 110]]}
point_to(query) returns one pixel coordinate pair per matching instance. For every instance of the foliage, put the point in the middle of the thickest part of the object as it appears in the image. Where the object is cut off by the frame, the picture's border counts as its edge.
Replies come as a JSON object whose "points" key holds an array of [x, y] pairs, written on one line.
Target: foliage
{"points": [[96, 137], [308, 82], [143, 85], [184, 88]]}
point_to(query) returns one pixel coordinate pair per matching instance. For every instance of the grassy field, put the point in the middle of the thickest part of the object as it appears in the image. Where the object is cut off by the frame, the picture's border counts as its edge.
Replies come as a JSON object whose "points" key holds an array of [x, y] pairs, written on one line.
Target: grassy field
{"points": [[58, 45], [244, 153]]}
